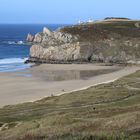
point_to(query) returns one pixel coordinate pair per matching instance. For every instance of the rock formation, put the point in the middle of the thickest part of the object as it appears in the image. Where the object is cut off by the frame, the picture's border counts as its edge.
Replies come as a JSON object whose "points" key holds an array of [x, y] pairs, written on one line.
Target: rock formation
{"points": [[30, 38], [46, 31], [104, 41]]}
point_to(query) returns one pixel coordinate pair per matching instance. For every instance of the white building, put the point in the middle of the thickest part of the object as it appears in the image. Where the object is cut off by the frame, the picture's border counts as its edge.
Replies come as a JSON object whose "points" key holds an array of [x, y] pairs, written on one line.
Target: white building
{"points": [[79, 22], [90, 20]]}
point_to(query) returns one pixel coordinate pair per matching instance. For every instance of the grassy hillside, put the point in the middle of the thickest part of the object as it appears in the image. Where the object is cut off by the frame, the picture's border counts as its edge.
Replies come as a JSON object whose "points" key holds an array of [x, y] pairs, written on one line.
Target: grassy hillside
{"points": [[105, 29], [105, 112], [114, 40]]}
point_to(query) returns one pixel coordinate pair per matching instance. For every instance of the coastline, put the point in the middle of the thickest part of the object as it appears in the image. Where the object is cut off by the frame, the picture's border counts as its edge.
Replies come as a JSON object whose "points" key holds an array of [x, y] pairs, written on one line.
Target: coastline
{"points": [[20, 87]]}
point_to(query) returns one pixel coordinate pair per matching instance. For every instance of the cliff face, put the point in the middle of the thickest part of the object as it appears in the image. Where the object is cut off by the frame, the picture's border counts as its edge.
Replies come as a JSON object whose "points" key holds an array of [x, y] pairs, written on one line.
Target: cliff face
{"points": [[102, 41]]}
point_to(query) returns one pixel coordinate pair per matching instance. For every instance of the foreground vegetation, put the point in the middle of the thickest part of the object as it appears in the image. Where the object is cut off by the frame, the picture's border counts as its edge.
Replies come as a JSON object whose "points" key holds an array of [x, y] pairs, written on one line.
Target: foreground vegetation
{"points": [[105, 112]]}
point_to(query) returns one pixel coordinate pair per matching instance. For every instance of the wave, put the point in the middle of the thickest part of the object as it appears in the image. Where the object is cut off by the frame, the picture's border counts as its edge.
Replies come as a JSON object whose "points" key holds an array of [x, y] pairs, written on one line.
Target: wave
{"points": [[12, 60], [14, 42], [13, 64], [9, 68]]}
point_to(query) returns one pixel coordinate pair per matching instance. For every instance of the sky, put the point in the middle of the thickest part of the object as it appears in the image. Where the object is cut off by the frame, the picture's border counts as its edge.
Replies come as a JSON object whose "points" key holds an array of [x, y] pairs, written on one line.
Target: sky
{"points": [[65, 11]]}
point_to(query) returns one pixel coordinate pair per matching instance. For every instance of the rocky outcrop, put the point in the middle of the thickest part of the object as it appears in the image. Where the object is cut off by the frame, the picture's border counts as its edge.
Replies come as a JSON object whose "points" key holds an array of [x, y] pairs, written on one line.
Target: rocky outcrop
{"points": [[98, 42], [65, 52], [30, 38], [47, 31]]}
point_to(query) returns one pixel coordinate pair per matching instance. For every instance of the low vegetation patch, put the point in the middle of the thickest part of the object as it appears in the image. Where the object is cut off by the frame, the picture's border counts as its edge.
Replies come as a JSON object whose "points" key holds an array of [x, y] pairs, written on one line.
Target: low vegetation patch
{"points": [[105, 112]]}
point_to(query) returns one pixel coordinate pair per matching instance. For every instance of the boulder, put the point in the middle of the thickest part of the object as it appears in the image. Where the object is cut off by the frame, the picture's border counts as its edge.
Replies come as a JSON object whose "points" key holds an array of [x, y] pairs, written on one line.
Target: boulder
{"points": [[30, 38], [38, 37], [64, 37], [47, 31], [137, 24]]}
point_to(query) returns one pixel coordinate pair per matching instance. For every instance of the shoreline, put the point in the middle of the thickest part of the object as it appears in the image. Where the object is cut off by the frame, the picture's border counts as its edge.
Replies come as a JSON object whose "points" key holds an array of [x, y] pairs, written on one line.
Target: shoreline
{"points": [[84, 88], [19, 89]]}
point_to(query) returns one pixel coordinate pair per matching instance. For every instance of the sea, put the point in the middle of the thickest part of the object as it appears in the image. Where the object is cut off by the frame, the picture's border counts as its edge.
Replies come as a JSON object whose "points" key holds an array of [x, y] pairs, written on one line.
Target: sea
{"points": [[14, 50]]}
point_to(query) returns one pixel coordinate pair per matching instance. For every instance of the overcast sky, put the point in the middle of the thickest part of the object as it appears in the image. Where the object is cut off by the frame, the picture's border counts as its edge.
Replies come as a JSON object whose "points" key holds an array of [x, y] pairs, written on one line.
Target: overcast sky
{"points": [[65, 11]]}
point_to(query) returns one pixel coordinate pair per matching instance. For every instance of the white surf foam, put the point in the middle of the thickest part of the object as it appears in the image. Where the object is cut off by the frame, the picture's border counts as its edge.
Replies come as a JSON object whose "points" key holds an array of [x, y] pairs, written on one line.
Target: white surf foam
{"points": [[14, 42], [12, 60], [13, 64]]}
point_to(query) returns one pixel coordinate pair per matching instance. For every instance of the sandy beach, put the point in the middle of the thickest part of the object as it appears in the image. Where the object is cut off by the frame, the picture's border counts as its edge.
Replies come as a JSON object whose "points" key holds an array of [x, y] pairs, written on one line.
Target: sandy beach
{"points": [[47, 80]]}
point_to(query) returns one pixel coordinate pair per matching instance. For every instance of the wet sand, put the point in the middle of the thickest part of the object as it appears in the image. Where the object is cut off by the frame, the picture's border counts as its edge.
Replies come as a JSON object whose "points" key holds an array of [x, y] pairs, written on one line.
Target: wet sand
{"points": [[47, 80]]}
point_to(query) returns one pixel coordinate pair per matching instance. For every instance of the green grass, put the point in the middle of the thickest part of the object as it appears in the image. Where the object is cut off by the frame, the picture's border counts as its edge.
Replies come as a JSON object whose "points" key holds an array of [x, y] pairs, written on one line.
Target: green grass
{"points": [[103, 30], [105, 112]]}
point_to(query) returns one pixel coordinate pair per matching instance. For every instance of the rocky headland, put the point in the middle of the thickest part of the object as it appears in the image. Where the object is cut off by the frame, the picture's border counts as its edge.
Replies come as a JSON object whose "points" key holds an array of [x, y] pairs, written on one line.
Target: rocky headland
{"points": [[108, 41]]}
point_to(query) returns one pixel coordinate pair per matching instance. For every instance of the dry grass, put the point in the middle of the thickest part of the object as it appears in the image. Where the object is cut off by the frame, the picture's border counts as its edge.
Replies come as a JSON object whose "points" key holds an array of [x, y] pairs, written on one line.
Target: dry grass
{"points": [[104, 30], [106, 112]]}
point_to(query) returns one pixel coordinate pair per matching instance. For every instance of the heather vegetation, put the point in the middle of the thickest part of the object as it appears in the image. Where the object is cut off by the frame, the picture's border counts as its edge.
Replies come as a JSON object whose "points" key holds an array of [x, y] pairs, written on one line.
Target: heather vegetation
{"points": [[105, 112]]}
